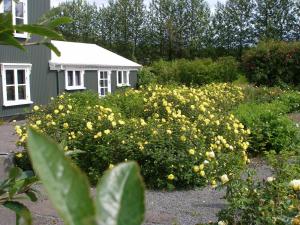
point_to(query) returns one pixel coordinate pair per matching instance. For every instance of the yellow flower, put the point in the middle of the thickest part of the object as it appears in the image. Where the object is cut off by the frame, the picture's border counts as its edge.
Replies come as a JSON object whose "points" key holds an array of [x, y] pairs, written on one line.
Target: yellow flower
{"points": [[19, 155], [295, 185], [121, 122], [89, 125], [196, 169], [169, 132], [202, 173], [201, 167], [61, 107], [213, 183], [210, 155], [192, 151], [66, 148], [154, 132], [36, 108], [111, 166], [107, 132], [70, 107], [48, 117], [66, 125], [113, 123], [56, 111], [224, 178], [183, 138], [38, 122], [143, 123], [171, 177], [193, 107]]}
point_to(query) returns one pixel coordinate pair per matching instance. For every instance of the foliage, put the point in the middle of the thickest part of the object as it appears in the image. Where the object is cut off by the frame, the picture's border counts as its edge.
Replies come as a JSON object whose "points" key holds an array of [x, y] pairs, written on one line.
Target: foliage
{"points": [[181, 137], [180, 29], [17, 186], [270, 128], [273, 63], [268, 202], [255, 94], [196, 72], [119, 196], [146, 77]]}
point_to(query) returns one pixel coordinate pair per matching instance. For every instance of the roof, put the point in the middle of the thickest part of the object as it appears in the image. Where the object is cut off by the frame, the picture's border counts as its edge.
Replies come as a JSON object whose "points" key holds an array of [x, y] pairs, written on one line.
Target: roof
{"points": [[87, 55]]}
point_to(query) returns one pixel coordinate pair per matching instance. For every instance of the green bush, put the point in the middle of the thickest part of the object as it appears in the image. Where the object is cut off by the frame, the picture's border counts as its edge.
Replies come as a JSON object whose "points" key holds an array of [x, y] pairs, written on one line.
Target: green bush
{"points": [[272, 201], [196, 72], [255, 94], [270, 128], [181, 137], [273, 63], [146, 77], [291, 99]]}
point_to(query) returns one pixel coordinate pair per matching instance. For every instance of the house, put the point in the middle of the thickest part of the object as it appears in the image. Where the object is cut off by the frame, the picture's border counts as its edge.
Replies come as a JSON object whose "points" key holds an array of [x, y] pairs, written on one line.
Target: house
{"points": [[36, 75]]}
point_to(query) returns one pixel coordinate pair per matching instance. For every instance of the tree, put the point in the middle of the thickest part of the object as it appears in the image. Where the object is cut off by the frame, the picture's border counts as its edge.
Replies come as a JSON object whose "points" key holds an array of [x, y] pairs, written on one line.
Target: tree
{"points": [[274, 19], [233, 25]]}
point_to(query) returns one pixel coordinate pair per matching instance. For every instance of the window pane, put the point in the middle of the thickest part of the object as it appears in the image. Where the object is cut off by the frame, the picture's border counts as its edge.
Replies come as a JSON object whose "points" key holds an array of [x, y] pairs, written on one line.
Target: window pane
{"points": [[10, 93], [101, 75], [77, 78], [125, 77], [19, 21], [10, 79], [7, 5], [19, 9], [102, 92], [120, 77], [105, 75], [22, 92], [21, 76], [106, 83], [101, 83], [70, 78]]}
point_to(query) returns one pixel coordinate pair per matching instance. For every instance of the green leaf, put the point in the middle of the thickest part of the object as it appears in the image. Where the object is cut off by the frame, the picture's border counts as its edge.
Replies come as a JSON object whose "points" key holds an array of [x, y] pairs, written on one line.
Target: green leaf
{"points": [[23, 214], [8, 39], [39, 30], [52, 47], [120, 196], [32, 196], [67, 186]]}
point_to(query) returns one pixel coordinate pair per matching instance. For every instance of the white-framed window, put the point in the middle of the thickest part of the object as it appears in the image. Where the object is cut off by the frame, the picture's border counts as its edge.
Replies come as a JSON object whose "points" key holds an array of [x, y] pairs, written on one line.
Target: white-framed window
{"points": [[104, 85], [19, 13], [16, 84], [123, 78], [74, 79]]}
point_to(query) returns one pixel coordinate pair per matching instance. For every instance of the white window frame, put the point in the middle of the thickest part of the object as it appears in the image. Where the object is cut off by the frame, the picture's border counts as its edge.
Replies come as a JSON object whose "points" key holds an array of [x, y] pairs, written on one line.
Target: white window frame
{"points": [[122, 84], [18, 35], [15, 67], [108, 81], [74, 87]]}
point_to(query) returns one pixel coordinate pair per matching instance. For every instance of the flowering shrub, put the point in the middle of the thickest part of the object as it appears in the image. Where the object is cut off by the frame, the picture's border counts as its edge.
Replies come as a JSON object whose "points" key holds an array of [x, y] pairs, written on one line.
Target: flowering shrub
{"points": [[179, 136], [275, 200]]}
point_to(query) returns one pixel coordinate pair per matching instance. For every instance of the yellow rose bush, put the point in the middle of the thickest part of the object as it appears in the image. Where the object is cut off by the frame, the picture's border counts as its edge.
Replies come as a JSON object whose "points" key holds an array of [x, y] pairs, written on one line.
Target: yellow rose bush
{"points": [[180, 136]]}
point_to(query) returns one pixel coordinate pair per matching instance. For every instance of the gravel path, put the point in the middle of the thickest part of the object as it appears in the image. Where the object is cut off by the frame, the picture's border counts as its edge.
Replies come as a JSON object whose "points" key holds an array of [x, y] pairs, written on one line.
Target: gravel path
{"points": [[163, 208]]}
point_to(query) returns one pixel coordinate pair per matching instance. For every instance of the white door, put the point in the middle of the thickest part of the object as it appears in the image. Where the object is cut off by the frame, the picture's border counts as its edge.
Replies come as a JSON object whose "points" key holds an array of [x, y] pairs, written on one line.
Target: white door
{"points": [[104, 84]]}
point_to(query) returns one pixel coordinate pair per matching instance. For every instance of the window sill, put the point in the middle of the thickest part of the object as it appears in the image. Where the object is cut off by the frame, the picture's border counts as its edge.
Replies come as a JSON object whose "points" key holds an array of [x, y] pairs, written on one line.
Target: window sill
{"points": [[25, 36], [16, 103], [75, 88], [123, 85]]}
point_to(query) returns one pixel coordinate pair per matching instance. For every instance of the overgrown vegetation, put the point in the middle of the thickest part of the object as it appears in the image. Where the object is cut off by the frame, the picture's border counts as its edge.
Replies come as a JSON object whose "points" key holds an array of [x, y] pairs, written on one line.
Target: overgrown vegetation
{"points": [[275, 200], [181, 137], [273, 63], [191, 72]]}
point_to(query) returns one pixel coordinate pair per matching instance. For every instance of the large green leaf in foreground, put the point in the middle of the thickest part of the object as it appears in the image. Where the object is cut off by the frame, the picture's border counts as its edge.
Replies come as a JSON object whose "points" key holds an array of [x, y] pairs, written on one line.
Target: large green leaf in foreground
{"points": [[120, 196], [67, 186]]}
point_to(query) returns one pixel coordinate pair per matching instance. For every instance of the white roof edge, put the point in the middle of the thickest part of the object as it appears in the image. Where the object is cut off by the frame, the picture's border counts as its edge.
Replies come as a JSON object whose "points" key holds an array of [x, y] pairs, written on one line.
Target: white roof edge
{"points": [[90, 55]]}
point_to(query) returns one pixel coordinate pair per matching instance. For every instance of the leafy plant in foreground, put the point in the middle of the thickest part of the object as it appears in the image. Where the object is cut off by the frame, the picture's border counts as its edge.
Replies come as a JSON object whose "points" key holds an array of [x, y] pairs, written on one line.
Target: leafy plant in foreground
{"points": [[119, 196], [17, 185]]}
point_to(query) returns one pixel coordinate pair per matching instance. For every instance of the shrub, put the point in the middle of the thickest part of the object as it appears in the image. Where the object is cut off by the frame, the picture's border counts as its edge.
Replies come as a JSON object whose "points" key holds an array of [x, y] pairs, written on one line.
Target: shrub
{"points": [[196, 72], [181, 137], [270, 128], [273, 63], [146, 77], [291, 99], [273, 201], [261, 94]]}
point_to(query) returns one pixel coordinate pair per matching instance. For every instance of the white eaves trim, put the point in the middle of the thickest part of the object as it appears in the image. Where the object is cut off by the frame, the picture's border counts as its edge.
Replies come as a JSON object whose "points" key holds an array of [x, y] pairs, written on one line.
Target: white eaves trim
{"points": [[87, 57]]}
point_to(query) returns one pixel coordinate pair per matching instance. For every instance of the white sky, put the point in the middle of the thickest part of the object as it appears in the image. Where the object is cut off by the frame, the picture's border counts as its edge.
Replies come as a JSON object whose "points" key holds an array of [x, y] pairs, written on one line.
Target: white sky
{"points": [[212, 3]]}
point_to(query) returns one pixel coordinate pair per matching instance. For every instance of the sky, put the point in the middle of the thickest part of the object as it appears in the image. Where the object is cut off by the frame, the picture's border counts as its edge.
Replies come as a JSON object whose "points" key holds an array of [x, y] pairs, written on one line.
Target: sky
{"points": [[212, 3]]}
